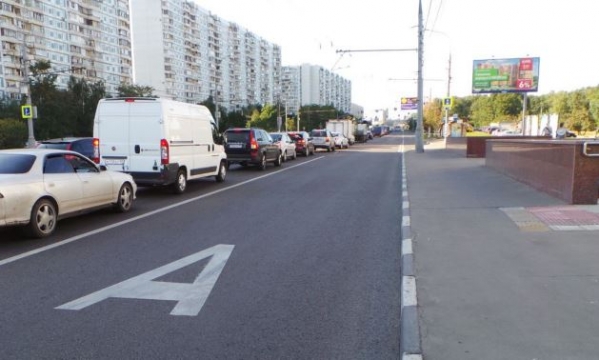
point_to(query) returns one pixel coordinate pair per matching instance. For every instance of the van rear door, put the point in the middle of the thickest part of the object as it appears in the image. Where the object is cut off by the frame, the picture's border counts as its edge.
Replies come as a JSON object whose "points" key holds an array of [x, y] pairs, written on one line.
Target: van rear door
{"points": [[129, 132]]}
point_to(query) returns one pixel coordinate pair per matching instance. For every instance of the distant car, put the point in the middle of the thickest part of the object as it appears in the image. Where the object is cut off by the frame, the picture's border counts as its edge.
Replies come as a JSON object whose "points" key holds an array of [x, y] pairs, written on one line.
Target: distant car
{"points": [[38, 187], [82, 145], [509, 133], [251, 146], [286, 145], [341, 141], [303, 142], [323, 139]]}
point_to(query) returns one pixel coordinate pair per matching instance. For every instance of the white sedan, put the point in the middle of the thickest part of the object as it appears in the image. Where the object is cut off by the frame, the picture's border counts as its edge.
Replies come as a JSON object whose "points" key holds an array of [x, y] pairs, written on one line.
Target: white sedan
{"points": [[38, 187], [340, 140]]}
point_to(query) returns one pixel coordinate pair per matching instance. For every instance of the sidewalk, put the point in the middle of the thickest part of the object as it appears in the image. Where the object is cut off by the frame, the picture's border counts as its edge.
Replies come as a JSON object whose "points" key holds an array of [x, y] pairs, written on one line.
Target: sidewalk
{"points": [[502, 271]]}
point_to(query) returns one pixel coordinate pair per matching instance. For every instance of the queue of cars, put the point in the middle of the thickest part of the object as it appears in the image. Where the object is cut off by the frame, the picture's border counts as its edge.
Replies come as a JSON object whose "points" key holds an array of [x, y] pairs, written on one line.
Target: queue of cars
{"points": [[70, 176]]}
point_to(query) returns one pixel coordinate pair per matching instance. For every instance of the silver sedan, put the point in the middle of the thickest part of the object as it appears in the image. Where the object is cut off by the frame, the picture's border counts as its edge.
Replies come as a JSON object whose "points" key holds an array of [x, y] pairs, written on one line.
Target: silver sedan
{"points": [[38, 187]]}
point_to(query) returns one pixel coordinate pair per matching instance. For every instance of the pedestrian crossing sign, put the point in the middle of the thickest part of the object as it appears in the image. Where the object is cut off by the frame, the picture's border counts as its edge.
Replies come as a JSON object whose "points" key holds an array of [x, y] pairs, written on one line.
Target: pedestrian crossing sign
{"points": [[26, 111], [448, 103]]}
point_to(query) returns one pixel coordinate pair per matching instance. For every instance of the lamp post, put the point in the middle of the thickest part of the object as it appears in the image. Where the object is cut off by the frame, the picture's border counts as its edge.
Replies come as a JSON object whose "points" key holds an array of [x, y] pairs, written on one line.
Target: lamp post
{"points": [[27, 90], [418, 133]]}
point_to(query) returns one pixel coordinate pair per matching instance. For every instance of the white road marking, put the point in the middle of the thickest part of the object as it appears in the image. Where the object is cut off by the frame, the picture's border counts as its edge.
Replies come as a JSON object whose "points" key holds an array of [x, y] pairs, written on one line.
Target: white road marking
{"points": [[190, 297], [157, 211], [408, 295], [406, 247]]}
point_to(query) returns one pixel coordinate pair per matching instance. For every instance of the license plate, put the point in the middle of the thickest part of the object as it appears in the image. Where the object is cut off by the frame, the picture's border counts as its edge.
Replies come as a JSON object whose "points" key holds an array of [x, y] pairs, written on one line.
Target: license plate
{"points": [[114, 161], [235, 146]]}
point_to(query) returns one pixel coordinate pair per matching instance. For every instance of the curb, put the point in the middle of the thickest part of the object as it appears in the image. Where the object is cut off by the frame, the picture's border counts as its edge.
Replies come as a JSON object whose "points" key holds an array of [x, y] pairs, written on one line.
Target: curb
{"points": [[409, 346]]}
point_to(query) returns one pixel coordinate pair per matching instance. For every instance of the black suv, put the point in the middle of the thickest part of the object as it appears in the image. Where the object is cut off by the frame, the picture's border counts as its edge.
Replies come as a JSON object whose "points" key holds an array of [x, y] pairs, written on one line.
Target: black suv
{"points": [[251, 146], [82, 145]]}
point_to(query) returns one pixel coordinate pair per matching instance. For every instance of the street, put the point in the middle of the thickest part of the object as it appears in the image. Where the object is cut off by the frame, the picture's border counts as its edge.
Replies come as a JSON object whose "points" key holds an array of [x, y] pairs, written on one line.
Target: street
{"points": [[297, 262]]}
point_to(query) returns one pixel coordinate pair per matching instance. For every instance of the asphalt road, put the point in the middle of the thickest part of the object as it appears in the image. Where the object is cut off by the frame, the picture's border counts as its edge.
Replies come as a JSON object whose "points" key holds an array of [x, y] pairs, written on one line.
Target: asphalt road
{"points": [[297, 262]]}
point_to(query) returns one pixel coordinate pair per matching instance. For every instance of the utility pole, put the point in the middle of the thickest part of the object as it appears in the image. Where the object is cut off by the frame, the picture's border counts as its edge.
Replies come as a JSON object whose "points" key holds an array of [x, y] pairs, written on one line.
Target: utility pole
{"points": [[445, 127], [25, 61], [418, 134]]}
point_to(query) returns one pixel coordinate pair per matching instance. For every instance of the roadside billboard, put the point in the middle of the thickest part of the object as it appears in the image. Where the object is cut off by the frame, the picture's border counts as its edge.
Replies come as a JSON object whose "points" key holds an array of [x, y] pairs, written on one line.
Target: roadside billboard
{"points": [[505, 75], [410, 103]]}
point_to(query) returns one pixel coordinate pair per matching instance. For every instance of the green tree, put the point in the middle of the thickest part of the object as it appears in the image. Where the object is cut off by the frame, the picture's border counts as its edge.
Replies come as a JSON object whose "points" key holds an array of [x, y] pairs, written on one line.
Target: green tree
{"points": [[13, 133], [432, 115], [133, 90]]}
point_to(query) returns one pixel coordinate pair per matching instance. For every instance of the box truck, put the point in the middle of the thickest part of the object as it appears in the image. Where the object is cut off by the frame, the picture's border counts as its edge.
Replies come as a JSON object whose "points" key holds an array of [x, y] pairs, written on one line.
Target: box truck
{"points": [[160, 142], [345, 127]]}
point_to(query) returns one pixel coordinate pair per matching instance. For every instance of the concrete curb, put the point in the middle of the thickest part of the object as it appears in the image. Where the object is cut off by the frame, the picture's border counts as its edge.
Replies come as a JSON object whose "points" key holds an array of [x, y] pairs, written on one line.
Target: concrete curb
{"points": [[410, 344]]}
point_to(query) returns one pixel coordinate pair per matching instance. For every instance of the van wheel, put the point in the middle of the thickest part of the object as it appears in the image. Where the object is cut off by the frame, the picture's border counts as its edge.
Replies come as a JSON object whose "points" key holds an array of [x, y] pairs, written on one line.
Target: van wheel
{"points": [[181, 184], [125, 200], [222, 172], [279, 160], [262, 164], [43, 219]]}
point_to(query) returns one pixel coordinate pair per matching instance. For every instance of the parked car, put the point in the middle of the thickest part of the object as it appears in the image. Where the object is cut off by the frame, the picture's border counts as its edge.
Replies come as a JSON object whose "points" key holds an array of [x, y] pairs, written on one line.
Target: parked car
{"points": [[38, 187], [251, 146], [285, 144], [303, 142], [341, 141], [82, 145], [323, 139]]}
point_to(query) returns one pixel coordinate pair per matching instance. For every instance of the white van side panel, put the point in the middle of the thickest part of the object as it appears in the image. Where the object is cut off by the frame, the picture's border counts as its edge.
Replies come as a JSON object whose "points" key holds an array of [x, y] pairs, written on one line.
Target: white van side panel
{"points": [[130, 133]]}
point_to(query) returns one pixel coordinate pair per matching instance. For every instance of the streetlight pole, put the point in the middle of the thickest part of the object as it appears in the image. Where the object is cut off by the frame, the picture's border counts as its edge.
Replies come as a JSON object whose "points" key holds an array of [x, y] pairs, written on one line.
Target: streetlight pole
{"points": [[418, 133], [31, 138]]}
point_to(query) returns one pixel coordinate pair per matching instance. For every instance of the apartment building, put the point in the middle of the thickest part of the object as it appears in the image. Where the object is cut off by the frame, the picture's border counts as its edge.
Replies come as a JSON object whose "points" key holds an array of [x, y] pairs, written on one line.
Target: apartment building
{"points": [[187, 53], [314, 85], [84, 38]]}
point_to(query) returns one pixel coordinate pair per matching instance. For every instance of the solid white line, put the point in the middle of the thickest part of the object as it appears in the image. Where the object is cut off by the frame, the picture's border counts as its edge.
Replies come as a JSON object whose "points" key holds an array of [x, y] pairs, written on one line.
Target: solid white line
{"points": [[139, 217]]}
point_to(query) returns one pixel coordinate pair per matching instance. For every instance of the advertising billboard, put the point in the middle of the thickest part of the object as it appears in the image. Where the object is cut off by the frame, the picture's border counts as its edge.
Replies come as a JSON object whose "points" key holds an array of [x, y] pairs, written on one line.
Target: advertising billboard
{"points": [[410, 103], [505, 75]]}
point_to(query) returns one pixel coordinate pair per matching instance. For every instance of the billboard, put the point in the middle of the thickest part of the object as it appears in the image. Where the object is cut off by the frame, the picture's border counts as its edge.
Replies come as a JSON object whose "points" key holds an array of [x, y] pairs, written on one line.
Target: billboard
{"points": [[505, 75], [410, 103]]}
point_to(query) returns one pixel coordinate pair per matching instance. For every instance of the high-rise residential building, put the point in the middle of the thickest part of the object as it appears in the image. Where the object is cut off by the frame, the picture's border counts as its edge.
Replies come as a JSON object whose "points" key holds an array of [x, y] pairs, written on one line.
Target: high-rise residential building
{"points": [[83, 38], [314, 85], [187, 53]]}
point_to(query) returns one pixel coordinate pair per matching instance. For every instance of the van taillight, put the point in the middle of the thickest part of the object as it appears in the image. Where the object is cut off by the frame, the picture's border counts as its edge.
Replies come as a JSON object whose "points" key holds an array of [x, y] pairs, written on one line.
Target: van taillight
{"points": [[129, 100], [96, 145], [253, 142], [164, 156]]}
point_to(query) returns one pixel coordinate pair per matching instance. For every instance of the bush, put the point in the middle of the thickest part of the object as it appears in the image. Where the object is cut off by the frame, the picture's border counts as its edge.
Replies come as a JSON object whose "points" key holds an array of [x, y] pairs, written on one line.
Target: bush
{"points": [[13, 133]]}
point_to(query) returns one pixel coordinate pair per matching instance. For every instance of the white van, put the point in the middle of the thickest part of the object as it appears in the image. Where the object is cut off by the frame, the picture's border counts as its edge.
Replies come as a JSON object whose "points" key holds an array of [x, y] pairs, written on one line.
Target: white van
{"points": [[158, 141]]}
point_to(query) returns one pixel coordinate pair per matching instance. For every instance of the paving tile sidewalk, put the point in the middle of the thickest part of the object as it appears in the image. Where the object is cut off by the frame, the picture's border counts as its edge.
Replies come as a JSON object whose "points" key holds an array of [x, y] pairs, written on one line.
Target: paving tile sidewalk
{"points": [[503, 271]]}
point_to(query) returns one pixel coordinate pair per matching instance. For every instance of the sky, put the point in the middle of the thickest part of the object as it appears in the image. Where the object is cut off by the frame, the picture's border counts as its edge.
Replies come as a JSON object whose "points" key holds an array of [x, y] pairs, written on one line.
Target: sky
{"points": [[563, 34]]}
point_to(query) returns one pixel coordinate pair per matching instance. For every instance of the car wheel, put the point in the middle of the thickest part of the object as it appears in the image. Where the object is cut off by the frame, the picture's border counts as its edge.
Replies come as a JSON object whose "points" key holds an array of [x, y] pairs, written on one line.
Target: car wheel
{"points": [[334, 148], [285, 156], [43, 219], [181, 184], [125, 200], [279, 160], [222, 172], [329, 149], [262, 164], [307, 152], [294, 155]]}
